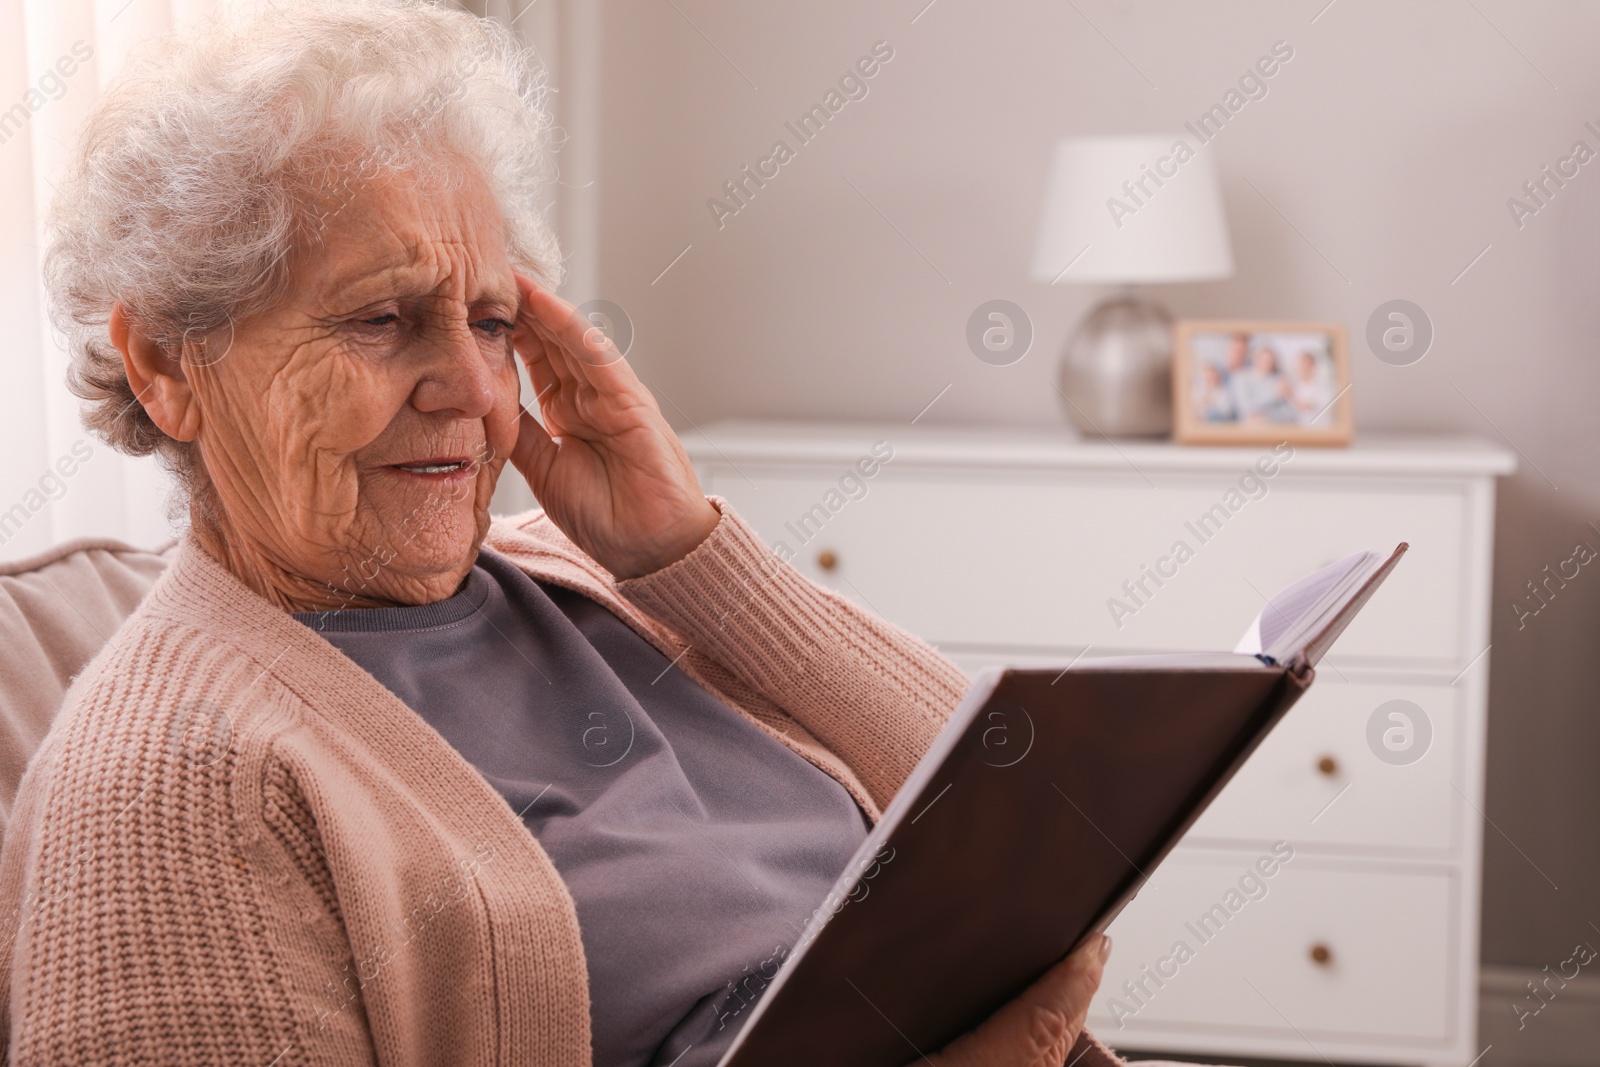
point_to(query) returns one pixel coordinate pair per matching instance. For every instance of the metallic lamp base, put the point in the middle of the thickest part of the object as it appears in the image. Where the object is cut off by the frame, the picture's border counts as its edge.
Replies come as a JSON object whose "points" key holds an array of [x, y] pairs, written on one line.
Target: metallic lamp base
{"points": [[1116, 372]]}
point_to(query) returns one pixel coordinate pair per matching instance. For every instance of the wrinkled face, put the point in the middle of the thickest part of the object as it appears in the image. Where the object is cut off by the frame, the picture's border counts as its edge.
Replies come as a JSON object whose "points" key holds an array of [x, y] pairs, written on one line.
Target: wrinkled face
{"points": [[355, 431]]}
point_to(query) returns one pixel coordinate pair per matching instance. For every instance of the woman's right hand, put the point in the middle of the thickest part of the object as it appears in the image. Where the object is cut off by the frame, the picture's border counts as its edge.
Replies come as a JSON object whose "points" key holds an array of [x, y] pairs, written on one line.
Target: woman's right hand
{"points": [[1040, 1027]]}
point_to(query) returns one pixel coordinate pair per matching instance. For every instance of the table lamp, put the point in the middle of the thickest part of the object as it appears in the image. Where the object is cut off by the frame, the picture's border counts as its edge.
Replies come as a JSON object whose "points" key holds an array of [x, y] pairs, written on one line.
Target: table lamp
{"points": [[1126, 211]]}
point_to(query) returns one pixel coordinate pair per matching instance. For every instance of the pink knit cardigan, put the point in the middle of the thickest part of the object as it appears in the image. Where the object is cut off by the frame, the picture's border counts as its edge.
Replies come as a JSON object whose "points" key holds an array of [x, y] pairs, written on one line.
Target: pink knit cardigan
{"points": [[236, 846]]}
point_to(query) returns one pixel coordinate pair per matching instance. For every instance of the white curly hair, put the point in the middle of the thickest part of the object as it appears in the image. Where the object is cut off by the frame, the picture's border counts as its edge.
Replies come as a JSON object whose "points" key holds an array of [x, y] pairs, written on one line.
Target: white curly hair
{"points": [[217, 150]]}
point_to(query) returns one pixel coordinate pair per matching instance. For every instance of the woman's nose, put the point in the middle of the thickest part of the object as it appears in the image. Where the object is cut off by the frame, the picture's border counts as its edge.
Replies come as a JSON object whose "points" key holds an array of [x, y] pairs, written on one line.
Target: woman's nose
{"points": [[460, 376]]}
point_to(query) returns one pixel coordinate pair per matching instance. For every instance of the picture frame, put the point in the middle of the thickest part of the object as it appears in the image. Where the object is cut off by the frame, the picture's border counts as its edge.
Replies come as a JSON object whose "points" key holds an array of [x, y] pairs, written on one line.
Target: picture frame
{"points": [[1259, 382]]}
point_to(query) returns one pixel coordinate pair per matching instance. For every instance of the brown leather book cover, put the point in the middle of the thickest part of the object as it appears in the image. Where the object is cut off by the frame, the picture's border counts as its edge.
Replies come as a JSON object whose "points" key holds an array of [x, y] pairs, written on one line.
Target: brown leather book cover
{"points": [[1043, 815]]}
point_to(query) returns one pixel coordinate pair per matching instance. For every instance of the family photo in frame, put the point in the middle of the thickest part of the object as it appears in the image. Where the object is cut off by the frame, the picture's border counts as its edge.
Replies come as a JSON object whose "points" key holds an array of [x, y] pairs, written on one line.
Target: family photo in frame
{"points": [[1260, 382]]}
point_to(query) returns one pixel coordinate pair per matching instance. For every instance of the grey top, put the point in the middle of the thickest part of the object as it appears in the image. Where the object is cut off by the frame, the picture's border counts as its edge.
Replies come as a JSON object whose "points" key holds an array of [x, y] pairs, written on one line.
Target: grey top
{"points": [[695, 846]]}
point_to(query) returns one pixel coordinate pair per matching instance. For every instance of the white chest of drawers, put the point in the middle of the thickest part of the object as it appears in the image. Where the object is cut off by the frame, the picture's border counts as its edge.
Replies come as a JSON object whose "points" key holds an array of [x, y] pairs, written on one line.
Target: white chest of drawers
{"points": [[1002, 546]]}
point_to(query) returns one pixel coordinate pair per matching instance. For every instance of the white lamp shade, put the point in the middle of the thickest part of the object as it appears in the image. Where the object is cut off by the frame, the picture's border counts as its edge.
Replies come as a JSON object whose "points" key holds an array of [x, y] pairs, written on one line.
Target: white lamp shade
{"points": [[1132, 209]]}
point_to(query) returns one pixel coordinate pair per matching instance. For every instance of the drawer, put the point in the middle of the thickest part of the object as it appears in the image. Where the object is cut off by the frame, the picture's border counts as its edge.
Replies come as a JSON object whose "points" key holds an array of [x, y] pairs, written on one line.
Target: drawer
{"points": [[1026, 560], [1388, 973], [1281, 793]]}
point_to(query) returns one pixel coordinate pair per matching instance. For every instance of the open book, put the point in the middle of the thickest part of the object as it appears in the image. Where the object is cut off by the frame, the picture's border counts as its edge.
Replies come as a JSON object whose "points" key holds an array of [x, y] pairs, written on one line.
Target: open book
{"points": [[1035, 816], [1299, 614]]}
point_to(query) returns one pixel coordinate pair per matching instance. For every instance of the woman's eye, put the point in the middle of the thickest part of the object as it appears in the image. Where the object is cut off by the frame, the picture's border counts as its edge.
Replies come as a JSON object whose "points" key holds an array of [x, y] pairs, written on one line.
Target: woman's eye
{"points": [[495, 327], [386, 319]]}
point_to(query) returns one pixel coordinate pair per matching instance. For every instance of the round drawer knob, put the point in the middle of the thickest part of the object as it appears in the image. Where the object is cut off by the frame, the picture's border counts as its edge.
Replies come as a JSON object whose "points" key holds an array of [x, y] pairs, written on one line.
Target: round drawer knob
{"points": [[1328, 765], [1321, 954], [827, 560]]}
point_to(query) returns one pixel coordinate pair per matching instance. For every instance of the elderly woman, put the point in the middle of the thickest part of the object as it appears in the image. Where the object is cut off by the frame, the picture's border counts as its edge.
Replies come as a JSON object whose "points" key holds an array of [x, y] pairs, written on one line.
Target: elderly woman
{"points": [[371, 778]]}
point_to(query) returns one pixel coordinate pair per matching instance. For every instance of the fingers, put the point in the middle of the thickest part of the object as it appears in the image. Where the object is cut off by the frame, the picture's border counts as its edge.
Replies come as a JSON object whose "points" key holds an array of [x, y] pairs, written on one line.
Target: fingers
{"points": [[585, 387], [578, 348], [539, 349], [1071, 984], [533, 452], [1040, 1027], [541, 372]]}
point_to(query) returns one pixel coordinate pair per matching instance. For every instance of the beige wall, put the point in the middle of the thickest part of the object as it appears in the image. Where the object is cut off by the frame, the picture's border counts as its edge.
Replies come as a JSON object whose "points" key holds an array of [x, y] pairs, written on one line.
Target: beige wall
{"points": [[1389, 143]]}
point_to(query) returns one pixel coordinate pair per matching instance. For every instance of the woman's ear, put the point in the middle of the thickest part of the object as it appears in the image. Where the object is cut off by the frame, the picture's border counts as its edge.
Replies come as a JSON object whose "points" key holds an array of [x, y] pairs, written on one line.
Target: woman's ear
{"points": [[156, 377]]}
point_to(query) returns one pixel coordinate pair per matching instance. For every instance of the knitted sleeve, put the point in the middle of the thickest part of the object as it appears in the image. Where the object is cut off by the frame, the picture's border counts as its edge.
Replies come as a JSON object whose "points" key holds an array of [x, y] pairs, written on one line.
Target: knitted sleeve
{"points": [[873, 694], [132, 890], [1090, 1051]]}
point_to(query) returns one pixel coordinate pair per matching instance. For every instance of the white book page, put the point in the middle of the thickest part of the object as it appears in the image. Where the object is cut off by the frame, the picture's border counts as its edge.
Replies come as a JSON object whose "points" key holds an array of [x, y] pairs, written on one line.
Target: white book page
{"points": [[1293, 614], [1164, 661]]}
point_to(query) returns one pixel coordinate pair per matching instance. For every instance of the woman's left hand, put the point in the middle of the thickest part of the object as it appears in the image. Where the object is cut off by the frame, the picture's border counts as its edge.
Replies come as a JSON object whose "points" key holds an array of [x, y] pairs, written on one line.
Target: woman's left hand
{"points": [[605, 465]]}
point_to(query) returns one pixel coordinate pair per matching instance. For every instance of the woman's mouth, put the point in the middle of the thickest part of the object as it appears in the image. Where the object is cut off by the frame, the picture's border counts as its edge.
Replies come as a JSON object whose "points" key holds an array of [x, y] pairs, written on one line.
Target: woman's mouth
{"points": [[435, 468]]}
